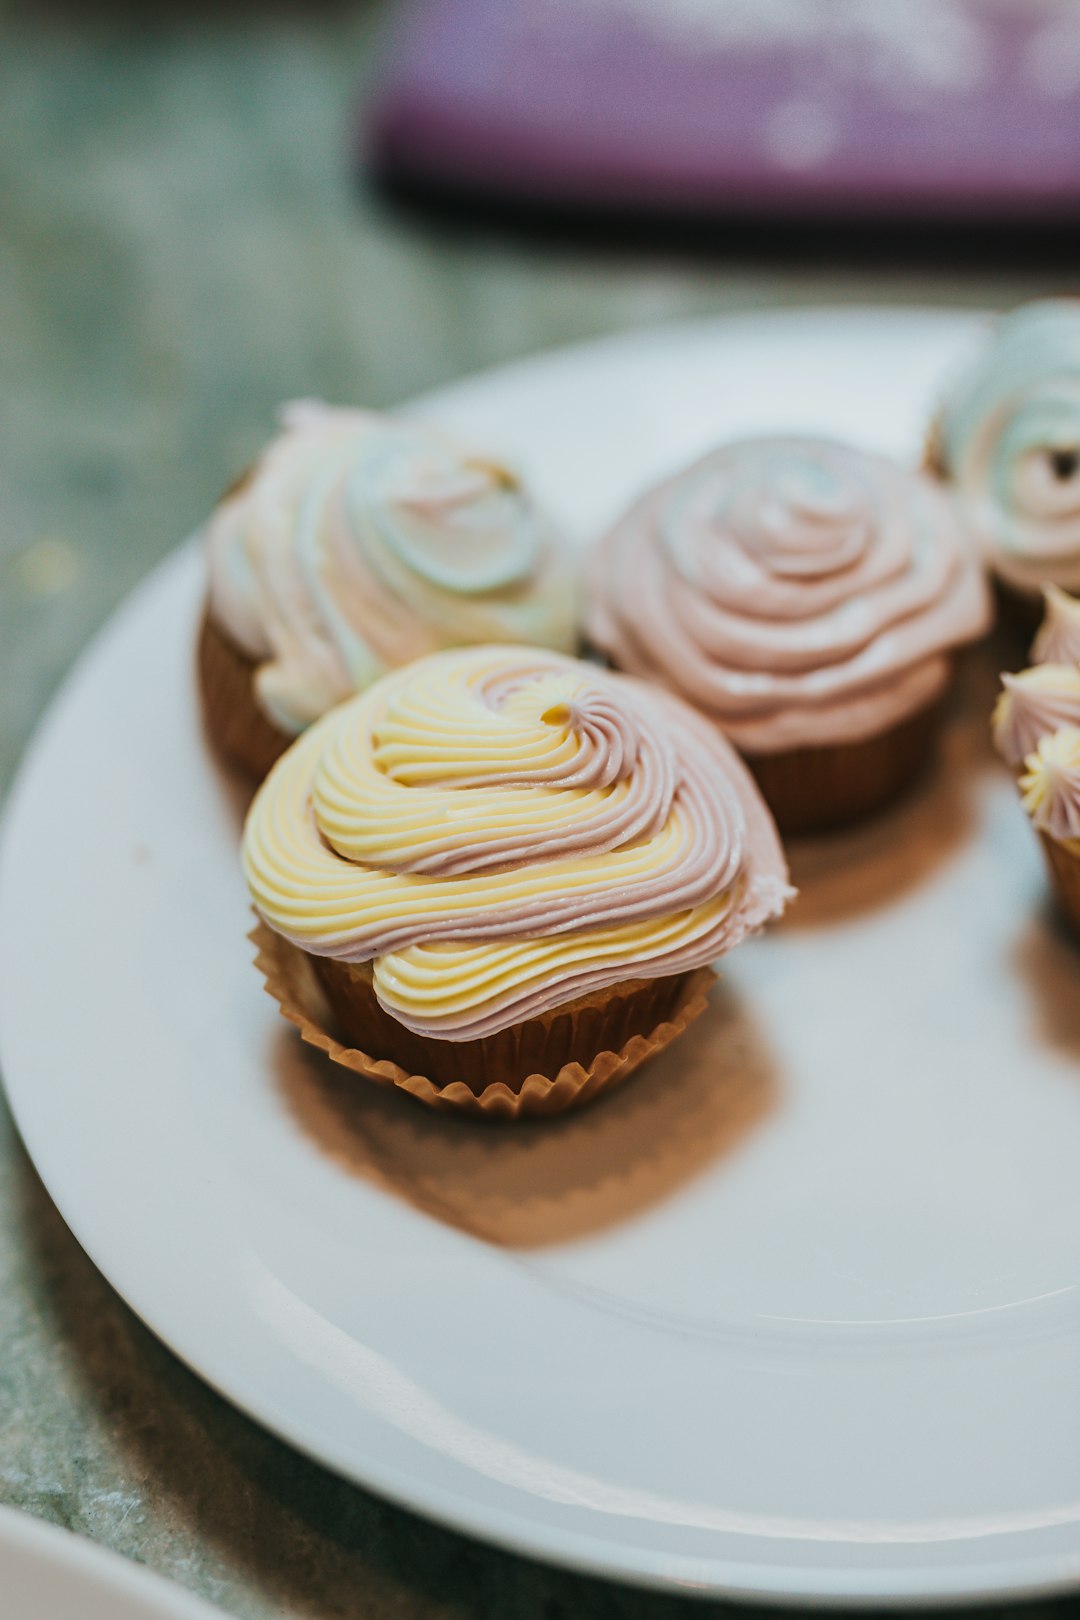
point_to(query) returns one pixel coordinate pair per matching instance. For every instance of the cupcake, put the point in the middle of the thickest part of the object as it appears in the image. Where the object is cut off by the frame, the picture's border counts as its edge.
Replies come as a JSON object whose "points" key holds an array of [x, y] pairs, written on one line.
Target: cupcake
{"points": [[1058, 640], [503, 872], [1033, 704], [806, 597], [1007, 439], [356, 543], [1050, 792]]}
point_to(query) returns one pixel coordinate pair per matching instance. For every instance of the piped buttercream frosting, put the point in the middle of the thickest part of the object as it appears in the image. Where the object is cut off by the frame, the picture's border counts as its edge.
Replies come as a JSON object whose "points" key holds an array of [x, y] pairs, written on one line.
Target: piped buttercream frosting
{"points": [[499, 830], [1008, 438], [360, 541], [1034, 702], [1058, 638], [799, 592], [1050, 787]]}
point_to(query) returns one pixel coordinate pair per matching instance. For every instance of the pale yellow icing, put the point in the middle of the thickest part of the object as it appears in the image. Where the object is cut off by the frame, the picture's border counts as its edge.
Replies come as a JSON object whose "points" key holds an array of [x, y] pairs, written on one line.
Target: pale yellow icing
{"points": [[1034, 702], [1050, 787], [500, 829]]}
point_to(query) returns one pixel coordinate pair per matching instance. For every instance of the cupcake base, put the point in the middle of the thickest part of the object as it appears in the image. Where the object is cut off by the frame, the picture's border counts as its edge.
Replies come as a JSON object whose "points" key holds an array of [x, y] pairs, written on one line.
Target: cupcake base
{"points": [[235, 724], [544, 1066], [1064, 868], [818, 789]]}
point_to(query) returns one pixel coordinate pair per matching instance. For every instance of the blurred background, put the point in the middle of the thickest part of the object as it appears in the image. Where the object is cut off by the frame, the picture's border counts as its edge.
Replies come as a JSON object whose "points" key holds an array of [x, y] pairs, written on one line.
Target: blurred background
{"points": [[206, 209]]}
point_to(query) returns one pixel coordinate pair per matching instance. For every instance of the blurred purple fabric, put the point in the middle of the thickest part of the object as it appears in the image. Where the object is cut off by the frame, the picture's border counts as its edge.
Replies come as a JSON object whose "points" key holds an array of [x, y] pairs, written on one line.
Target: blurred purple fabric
{"points": [[857, 107]]}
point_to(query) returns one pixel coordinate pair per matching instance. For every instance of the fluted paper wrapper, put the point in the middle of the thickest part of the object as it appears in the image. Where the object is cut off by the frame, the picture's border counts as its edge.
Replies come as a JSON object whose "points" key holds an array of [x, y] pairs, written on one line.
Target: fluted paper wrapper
{"points": [[1064, 868], [814, 790], [291, 981], [933, 459]]}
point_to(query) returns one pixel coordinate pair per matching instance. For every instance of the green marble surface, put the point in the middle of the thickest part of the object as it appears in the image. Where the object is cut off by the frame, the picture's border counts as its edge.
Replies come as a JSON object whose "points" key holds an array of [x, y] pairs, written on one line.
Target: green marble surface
{"points": [[182, 245]]}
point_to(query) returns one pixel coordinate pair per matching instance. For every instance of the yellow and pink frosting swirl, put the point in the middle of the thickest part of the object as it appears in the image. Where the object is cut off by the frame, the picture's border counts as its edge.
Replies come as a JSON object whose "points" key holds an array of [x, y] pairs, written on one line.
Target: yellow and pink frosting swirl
{"points": [[798, 591], [499, 830], [1050, 787]]}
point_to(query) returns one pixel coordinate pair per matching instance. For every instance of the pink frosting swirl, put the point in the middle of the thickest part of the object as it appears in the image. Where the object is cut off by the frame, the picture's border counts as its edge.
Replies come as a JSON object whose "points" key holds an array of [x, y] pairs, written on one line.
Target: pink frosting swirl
{"points": [[1058, 640], [1032, 704], [799, 592], [500, 830]]}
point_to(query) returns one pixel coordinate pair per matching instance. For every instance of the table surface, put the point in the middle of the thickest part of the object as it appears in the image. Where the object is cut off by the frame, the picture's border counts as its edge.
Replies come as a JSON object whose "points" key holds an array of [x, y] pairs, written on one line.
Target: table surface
{"points": [[183, 244]]}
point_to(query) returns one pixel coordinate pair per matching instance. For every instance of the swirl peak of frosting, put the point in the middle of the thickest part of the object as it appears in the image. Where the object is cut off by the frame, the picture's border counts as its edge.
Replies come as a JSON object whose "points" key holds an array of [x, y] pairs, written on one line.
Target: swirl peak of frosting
{"points": [[1050, 787], [360, 541], [1058, 638], [799, 591], [1032, 704], [500, 830], [1008, 439]]}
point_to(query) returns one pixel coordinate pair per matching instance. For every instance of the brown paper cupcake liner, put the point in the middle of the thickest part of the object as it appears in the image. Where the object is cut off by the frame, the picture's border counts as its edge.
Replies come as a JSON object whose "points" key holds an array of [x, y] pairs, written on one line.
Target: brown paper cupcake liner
{"points": [[291, 980], [1064, 869], [237, 727], [933, 458], [817, 789]]}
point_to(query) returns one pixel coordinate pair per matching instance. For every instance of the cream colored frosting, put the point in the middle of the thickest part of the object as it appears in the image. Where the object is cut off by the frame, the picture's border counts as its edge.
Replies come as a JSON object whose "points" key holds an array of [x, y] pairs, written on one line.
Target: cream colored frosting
{"points": [[1037, 701], [1058, 640], [360, 541], [500, 830], [798, 591], [1050, 787], [1009, 440]]}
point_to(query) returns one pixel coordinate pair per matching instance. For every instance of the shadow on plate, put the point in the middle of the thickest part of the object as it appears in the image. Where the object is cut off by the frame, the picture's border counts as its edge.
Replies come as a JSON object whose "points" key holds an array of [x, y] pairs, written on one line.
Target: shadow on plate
{"points": [[873, 865], [1047, 961], [111, 1436], [541, 1182]]}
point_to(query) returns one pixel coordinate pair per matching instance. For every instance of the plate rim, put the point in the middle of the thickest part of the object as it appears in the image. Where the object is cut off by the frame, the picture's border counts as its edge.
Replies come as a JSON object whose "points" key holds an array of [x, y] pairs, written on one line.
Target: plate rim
{"points": [[109, 1570]]}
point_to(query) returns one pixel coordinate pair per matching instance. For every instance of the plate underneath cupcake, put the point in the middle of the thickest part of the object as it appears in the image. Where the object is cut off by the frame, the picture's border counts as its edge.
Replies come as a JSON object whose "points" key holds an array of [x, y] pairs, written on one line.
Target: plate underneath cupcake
{"points": [[794, 1314], [48, 1574]]}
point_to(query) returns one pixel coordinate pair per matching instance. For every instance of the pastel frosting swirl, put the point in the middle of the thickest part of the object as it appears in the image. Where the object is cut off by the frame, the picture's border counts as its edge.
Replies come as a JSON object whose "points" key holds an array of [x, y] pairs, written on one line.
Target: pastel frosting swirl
{"points": [[359, 542], [798, 591], [1050, 787], [500, 830], [1032, 704], [1008, 438], [1058, 639]]}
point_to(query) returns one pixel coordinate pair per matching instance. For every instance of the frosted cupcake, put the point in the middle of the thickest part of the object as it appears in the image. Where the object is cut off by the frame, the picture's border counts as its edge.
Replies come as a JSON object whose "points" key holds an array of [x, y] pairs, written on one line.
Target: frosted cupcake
{"points": [[1058, 640], [807, 598], [507, 872], [1050, 793], [356, 543], [1008, 440]]}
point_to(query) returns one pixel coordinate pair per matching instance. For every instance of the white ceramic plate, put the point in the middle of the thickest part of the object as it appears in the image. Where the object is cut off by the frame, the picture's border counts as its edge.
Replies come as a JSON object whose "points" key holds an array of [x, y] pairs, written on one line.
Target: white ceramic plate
{"points": [[49, 1574], [797, 1315]]}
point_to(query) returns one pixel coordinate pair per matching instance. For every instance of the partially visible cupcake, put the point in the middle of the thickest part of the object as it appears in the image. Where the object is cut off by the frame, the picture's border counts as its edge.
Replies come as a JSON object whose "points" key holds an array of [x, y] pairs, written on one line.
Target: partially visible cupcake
{"points": [[1050, 792], [356, 543], [1033, 704], [808, 598], [1058, 639], [1007, 438], [507, 871]]}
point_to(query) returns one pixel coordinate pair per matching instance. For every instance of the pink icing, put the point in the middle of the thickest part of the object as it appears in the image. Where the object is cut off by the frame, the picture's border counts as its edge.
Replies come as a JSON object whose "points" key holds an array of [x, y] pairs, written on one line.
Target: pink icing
{"points": [[672, 761], [799, 592], [1058, 640], [1032, 705]]}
